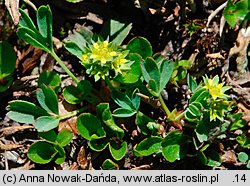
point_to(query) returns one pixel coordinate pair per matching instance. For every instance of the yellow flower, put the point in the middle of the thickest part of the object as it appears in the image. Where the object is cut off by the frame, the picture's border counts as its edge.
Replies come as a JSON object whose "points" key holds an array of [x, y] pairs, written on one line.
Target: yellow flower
{"points": [[218, 108], [96, 46], [112, 53], [84, 57], [215, 89], [101, 57]]}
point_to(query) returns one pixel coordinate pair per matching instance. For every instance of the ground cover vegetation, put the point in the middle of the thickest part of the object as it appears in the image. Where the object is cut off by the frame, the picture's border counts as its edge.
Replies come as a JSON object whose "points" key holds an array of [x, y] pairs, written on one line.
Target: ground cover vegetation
{"points": [[124, 84]]}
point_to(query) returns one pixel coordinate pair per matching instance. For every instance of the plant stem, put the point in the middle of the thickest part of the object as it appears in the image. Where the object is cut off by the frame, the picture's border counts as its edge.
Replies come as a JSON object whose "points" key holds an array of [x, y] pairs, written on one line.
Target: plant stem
{"points": [[164, 106], [180, 116], [53, 54], [71, 114]]}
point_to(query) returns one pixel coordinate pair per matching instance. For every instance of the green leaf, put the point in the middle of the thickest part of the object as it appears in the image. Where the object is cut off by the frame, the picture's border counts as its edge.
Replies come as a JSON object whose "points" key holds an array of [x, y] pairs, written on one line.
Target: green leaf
{"points": [[21, 117], [185, 64], [199, 96], [105, 115], [115, 31], [174, 146], [41, 152], [74, 49], [100, 109], [181, 74], [153, 88], [151, 75], [90, 127], [140, 46], [122, 100], [47, 99], [44, 22], [64, 137], [123, 113], [108, 164], [49, 136], [195, 109], [202, 131], [80, 38], [243, 141], [248, 164], [26, 21], [110, 123], [135, 99], [166, 69], [26, 107], [7, 65], [46, 123], [141, 121], [99, 144], [150, 70], [243, 157], [149, 146], [50, 79], [72, 95], [76, 42], [158, 58], [237, 122], [134, 73], [60, 156], [172, 153], [204, 127], [191, 83], [86, 34], [33, 38], [28, 32], [118, 151], [75, 95], [235, 12], [190, 117], [24, 112]]}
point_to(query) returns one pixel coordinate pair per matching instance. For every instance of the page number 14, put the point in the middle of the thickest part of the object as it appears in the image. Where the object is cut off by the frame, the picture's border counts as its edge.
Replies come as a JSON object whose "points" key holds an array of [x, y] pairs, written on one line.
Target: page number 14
{"points": [[240, 178]]}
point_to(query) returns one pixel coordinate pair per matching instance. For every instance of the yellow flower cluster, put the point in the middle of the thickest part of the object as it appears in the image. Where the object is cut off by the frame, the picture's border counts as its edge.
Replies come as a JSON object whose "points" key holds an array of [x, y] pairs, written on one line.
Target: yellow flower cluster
{"points": [[218, 109], [215, 89], [101, 57], [219, 103]]}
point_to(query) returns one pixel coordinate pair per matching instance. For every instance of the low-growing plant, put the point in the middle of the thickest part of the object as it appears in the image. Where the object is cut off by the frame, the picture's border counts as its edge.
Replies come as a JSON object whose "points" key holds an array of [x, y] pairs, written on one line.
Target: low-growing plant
{"points": [[132, 73], [108, 164], [209, 113], [237, 12], [102, 131], [44, 117], [50, 147], [191, 28]]}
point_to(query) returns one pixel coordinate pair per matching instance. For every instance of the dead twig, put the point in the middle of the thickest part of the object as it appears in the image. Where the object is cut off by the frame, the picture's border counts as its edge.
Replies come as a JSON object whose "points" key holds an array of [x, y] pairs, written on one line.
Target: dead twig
{"points": [[13, 6], [215, 12], [215, 56], [8, 147], [11, 130], [28, 2]]}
